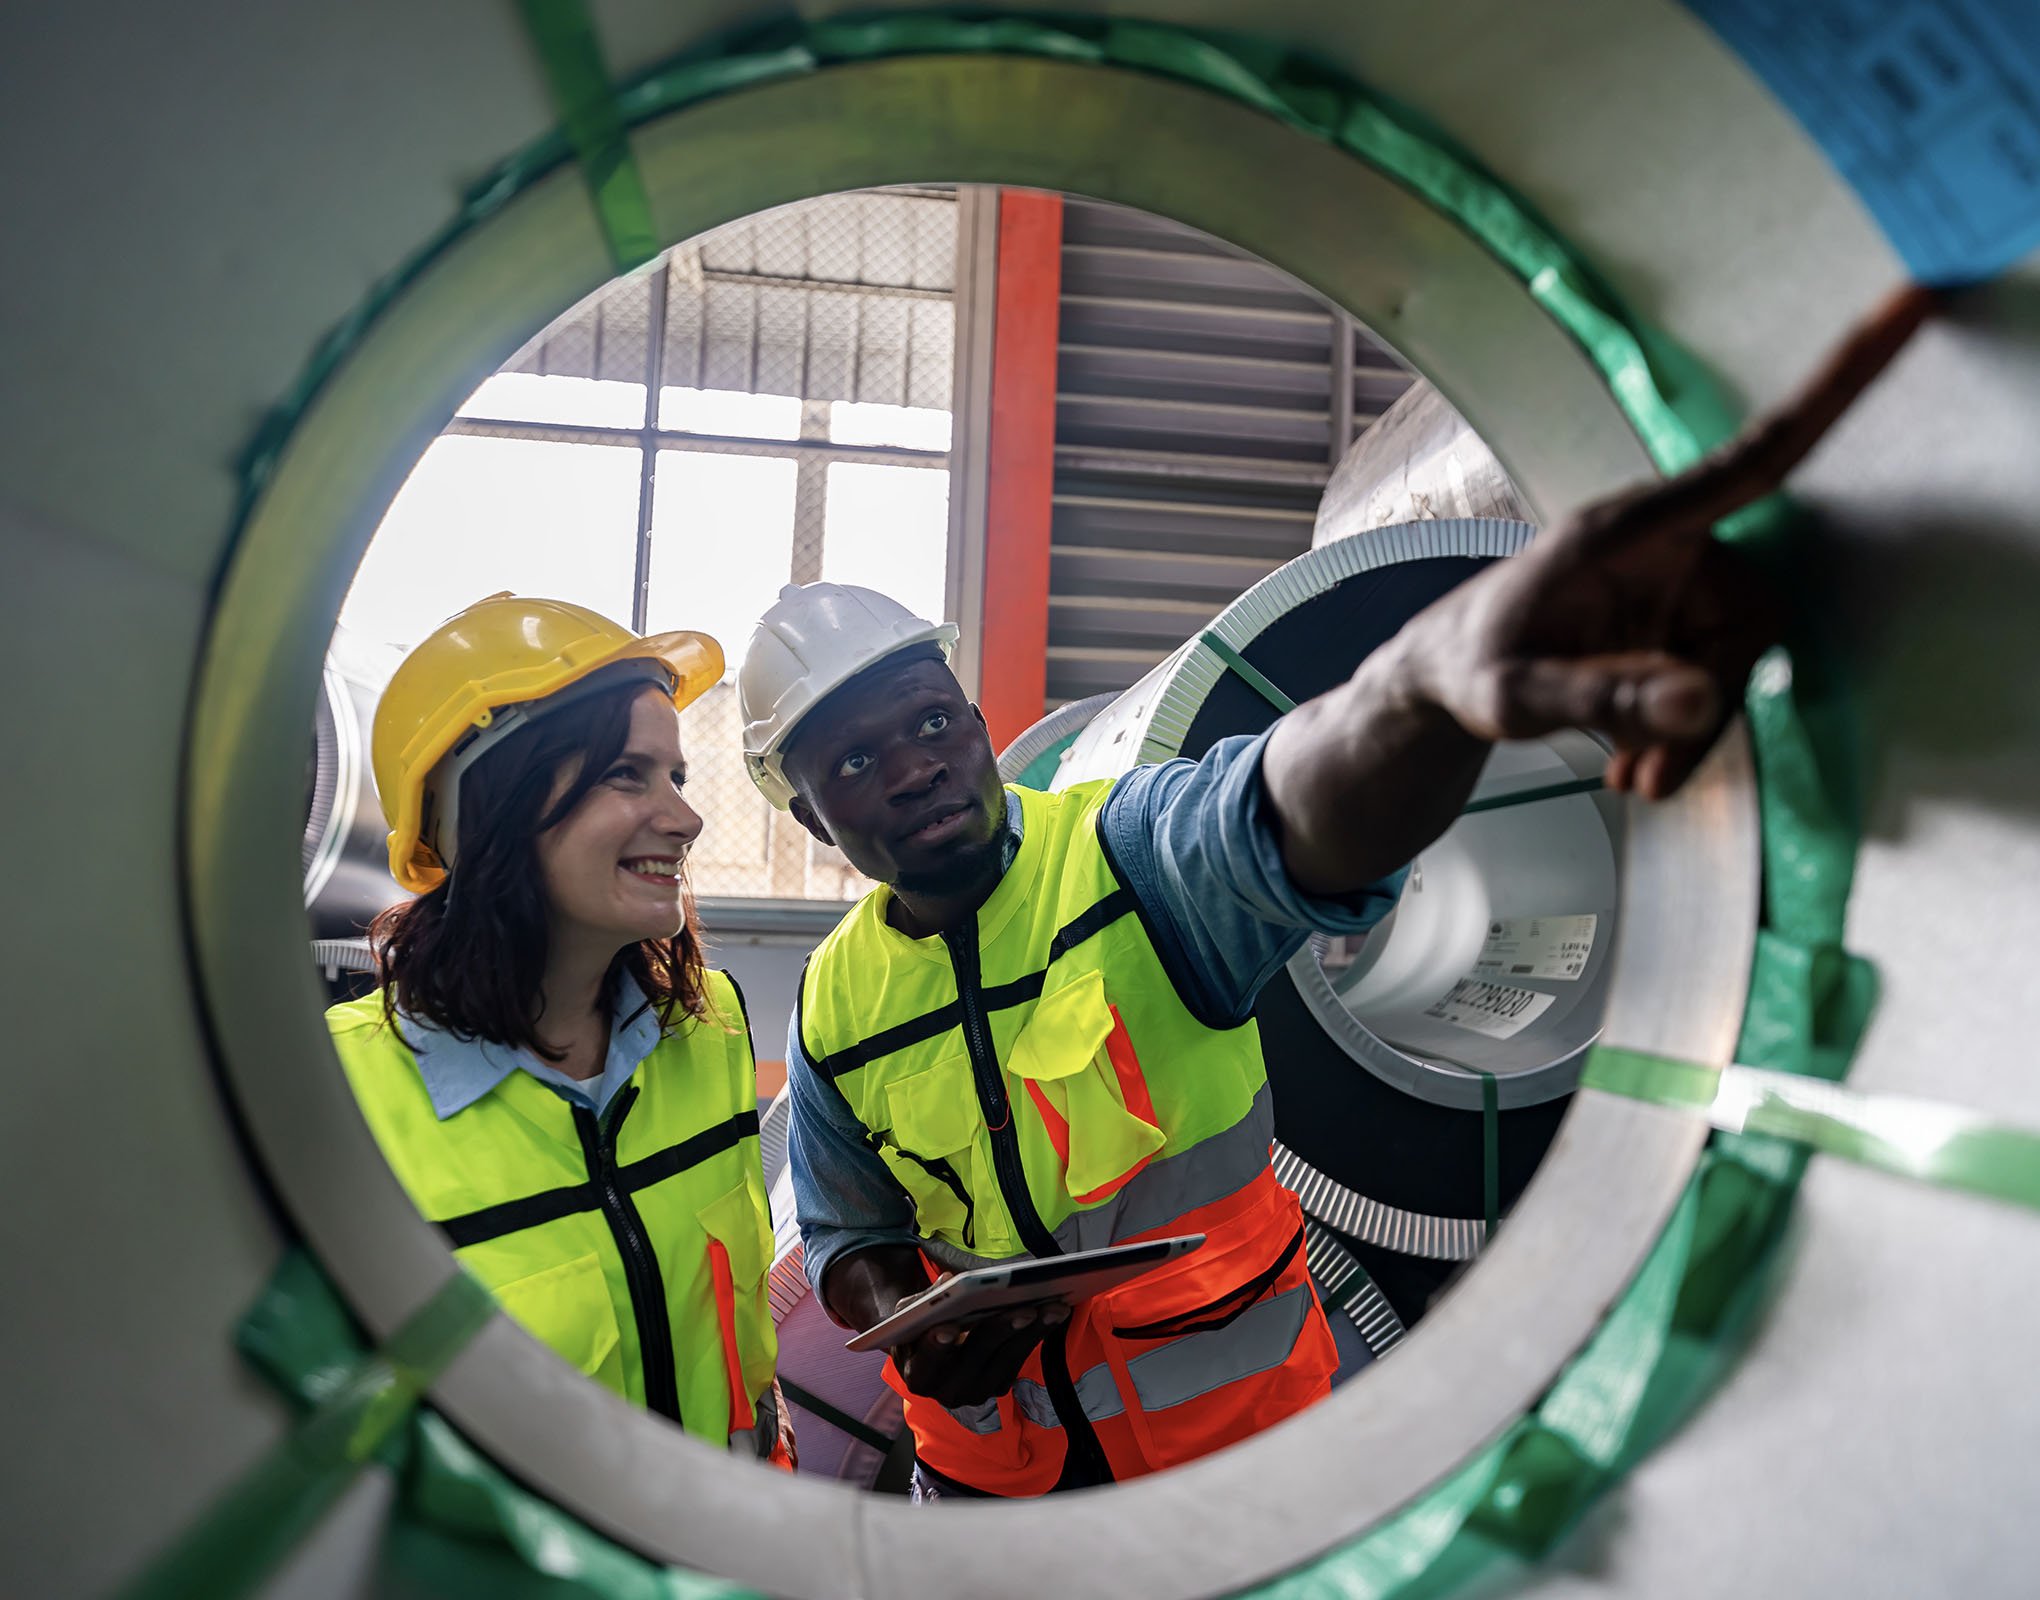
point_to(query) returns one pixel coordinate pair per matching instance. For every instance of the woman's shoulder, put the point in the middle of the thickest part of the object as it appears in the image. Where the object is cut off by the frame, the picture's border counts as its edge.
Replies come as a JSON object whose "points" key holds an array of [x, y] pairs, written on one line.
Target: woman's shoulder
{"points": [[718, 996], [352, 1018], [726, 1013], [379, 1065], [724, 1021]]}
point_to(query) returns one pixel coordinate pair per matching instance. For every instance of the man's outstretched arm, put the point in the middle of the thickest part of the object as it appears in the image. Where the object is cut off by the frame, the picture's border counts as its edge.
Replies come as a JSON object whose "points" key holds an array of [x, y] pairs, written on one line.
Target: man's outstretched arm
{"points": [[1628, 619]]}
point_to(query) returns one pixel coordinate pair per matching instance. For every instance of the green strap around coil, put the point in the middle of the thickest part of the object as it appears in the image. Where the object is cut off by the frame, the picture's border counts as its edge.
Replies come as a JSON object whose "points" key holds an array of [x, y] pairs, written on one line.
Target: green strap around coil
{"points": [[1524, 797], [1944, 1146], [1490, 1154], [1271, 692], [564, 35], [863, 1432], [1249, 674], [251, 1529]]}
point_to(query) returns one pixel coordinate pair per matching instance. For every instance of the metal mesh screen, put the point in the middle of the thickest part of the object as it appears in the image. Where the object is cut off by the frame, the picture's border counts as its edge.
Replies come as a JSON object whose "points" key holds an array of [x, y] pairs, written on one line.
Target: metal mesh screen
{"points": [[843, 298]]}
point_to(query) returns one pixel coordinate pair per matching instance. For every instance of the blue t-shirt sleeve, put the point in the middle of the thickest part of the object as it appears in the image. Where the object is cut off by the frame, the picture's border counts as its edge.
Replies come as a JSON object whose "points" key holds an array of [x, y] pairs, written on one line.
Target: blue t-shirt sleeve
{"points": [[1196, 842], [844, 1197]]}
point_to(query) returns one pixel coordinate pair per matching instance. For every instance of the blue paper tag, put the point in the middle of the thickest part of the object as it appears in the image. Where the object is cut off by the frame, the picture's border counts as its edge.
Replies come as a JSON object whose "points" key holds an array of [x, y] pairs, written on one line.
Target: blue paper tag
{"points": [[1930, 109]]}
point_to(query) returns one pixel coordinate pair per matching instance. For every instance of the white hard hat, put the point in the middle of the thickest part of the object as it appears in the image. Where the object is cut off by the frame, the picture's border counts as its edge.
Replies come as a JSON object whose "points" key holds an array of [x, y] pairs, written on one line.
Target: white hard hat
{"points": [[816, 637]]}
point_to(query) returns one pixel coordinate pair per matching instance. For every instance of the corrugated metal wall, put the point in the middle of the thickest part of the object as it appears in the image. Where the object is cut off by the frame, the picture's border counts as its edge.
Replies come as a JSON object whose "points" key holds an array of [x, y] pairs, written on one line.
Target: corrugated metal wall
{"points": [[1203, 399]]}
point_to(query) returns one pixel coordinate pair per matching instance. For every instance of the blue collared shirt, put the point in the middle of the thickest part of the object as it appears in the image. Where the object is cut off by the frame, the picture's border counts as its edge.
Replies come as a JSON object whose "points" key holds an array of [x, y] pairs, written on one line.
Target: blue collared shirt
{"points": [[458, 1072], [1197, 845]]}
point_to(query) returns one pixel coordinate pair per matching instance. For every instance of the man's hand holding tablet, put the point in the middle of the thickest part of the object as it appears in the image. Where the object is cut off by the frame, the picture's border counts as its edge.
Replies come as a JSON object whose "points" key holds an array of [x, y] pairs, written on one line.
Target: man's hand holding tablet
{"points": [[963, 1340]]}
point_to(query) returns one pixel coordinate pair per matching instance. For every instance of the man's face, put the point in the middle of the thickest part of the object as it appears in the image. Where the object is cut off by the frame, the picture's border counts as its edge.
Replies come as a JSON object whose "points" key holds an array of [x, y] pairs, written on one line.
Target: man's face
{"points": [[896, 769]]}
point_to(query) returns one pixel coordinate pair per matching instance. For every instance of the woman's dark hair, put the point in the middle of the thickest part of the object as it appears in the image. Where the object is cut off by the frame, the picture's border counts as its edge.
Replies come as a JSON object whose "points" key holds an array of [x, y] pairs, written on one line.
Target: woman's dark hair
{"points": [[468, 955]]}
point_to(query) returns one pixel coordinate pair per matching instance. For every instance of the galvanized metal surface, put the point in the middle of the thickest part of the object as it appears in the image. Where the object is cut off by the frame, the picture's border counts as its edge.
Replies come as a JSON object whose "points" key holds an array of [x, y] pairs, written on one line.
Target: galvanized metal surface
{"points": [[1418, 461]]}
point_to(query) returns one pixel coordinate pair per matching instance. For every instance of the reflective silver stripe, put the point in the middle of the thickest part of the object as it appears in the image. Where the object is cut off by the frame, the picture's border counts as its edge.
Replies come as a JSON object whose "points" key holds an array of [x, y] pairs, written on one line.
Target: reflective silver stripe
{"points": [[1034, 1404], [1096, 1392], [1261, 1338], [763, 1433], [980, 1418]]}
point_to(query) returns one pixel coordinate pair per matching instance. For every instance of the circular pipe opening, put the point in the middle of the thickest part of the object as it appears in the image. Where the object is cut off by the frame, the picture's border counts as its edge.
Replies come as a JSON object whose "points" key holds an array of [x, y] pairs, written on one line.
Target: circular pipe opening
{"points": [[1236, 1518]]}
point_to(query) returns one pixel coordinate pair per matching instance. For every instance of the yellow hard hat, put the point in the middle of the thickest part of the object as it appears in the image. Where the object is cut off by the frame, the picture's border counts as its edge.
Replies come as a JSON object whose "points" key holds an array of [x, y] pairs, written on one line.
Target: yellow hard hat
{"points": [[500, 653]]}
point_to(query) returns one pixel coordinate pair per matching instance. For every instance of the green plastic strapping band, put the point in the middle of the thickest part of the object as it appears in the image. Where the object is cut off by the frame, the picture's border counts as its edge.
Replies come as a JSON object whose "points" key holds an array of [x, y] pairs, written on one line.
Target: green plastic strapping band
{"points": [[863, 1432], [1249, 674], [1946, 1146], [458, 1525], [564, 35], [1490, 1155], [1269, 691], [251, 1529], [1524, 797]]}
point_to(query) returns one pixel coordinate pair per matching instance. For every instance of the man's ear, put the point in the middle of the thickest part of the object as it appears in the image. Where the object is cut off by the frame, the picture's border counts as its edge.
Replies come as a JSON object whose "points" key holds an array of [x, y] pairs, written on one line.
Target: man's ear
{"points": [[804, 814], [974, 711]]}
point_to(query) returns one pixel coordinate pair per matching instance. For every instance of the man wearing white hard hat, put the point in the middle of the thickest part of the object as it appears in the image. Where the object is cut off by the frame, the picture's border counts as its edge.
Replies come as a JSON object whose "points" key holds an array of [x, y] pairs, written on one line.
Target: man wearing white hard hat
{"points": [[1036, 1037]]}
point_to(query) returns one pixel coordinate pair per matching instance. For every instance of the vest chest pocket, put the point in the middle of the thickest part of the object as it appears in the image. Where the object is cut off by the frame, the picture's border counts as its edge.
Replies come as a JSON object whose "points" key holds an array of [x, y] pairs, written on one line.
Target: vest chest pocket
{"points": [[567, 1308], [1083, 1077], [738, 1220], [926, 1131]]}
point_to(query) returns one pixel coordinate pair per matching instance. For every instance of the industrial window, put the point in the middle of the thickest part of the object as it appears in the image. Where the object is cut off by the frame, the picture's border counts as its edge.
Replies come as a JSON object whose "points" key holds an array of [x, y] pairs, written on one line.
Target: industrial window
{"points": [[800, 362]]}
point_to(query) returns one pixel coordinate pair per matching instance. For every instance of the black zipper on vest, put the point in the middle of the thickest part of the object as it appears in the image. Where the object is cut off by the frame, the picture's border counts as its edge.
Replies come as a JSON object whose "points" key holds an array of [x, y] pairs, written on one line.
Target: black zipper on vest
{"points": [[1084, 1462], [991, 1093], [640, 1265]]}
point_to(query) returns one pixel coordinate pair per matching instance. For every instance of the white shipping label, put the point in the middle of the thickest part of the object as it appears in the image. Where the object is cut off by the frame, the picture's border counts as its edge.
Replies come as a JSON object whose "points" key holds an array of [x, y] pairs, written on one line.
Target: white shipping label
{"points": [[1537, 947], [1494, 1009]]}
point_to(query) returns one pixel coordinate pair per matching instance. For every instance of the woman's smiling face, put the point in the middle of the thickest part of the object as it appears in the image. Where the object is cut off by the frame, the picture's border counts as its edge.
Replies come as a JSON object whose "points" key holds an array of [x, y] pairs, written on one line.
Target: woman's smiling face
{"points": [[611, 866]]}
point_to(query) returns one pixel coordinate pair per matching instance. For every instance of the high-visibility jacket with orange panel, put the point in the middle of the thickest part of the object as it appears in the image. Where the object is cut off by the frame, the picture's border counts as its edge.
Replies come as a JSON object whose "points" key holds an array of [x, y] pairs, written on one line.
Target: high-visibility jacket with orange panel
{"points": [[636, 1244], [1036, 1086]]}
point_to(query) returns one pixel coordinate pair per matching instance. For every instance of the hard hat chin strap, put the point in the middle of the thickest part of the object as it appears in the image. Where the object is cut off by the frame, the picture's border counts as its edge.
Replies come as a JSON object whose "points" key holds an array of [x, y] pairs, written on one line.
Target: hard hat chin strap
{"points": [[440, 820]]}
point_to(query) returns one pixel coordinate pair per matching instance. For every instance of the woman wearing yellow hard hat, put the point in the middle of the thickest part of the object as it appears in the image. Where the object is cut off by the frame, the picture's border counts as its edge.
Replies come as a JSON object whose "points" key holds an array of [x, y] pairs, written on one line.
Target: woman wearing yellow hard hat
{"points": [[558, 1080]]}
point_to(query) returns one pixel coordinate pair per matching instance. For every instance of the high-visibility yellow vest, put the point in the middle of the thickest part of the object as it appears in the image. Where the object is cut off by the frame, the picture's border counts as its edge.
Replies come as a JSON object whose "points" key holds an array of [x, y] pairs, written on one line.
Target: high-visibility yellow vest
{"points": [[636, 1246], [1037, 1085]]}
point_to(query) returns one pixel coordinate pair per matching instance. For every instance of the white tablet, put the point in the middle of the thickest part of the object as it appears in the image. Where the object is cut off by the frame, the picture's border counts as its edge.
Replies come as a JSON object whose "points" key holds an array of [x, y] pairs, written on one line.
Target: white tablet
{"points": [[1026, 1280]]}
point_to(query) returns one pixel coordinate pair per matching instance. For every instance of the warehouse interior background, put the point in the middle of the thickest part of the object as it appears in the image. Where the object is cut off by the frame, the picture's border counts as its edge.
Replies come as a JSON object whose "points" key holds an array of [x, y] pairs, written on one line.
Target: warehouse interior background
{"points": [[810, 425]]}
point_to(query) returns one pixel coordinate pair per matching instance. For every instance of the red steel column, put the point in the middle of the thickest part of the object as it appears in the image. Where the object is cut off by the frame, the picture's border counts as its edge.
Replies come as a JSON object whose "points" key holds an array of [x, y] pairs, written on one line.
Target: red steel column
{"points": [[1020, 469]]}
